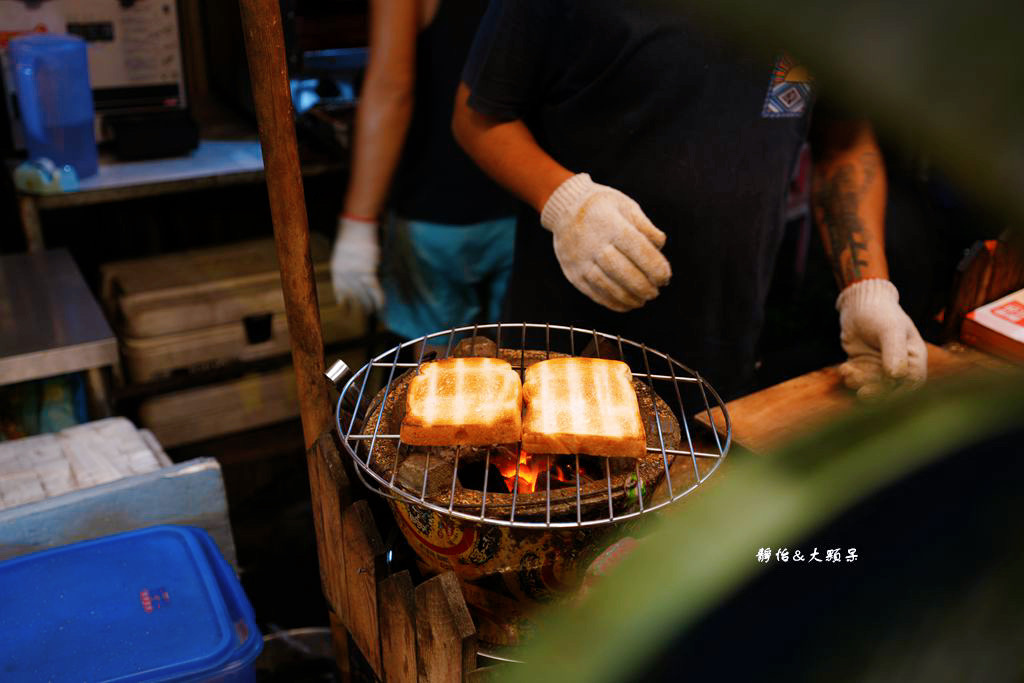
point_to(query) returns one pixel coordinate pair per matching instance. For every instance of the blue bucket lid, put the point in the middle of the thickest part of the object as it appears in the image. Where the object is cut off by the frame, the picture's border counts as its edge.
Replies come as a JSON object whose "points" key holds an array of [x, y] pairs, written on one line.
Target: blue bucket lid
{"points": [[155, 604]]}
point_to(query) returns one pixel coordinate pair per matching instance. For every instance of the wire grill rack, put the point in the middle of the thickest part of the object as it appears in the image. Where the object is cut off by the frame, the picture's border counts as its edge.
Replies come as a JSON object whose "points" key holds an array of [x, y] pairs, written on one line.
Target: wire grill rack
{"points": [[688, 464]]}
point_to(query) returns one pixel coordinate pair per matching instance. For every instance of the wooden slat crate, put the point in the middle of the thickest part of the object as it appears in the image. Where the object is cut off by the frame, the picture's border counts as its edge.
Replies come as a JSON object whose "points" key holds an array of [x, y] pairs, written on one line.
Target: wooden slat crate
{"points": [[405, 633]]}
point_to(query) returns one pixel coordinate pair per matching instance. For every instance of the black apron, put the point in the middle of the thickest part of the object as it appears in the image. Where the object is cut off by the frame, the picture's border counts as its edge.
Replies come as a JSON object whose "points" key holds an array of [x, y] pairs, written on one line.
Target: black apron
{"points": [[702, 137]]}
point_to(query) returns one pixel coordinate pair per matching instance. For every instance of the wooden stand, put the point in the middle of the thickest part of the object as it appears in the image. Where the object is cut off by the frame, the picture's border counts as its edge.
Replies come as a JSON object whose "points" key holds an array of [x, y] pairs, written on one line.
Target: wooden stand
{"points": [[403, 632]]}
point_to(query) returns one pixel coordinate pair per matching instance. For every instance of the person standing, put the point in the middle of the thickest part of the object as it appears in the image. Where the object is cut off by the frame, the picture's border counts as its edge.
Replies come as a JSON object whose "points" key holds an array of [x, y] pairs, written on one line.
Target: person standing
{"points": [[655, 159], [448, 229]]}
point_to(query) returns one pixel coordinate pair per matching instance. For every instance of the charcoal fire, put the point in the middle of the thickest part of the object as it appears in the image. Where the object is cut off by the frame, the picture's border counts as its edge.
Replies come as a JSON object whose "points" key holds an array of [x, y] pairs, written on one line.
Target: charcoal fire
{"points": [[533, 470], [525, 469], [518, 525]]}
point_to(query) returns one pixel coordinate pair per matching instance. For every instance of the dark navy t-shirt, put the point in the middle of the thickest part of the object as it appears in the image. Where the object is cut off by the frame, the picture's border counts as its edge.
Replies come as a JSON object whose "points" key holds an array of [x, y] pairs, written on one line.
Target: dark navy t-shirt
{"points": [[436, 181], [703, 137]]}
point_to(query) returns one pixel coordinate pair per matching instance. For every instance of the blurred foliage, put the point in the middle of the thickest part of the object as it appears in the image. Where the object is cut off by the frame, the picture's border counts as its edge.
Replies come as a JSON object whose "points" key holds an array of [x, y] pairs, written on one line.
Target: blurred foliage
{"points": [[705, 549], [944, 77]]}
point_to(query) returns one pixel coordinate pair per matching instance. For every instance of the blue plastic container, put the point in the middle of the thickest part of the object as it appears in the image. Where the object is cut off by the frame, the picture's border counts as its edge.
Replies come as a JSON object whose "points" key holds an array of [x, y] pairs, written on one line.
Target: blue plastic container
{"points": [[51, 76], [159, 604]]}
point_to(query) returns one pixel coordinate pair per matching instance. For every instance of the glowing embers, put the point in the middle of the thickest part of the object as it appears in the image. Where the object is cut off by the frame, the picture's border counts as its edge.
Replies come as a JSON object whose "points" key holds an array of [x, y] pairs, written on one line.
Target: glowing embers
{"points": [[533, 470]]}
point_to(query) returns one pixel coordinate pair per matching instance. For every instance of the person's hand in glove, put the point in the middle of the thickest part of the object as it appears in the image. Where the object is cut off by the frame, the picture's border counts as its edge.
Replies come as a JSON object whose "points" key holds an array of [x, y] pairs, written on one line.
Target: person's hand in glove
{"points": [[354, 263], [883, 345], [607, 247]]}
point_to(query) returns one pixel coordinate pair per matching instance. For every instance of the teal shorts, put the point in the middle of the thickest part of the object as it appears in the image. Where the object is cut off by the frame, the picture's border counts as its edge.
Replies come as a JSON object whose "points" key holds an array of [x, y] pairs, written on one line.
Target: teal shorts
{"points": [[440, 276]]}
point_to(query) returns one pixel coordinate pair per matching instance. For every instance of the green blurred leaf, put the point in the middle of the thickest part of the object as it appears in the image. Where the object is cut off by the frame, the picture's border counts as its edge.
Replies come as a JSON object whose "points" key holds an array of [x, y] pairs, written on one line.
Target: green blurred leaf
{"points": [[705, 549]]}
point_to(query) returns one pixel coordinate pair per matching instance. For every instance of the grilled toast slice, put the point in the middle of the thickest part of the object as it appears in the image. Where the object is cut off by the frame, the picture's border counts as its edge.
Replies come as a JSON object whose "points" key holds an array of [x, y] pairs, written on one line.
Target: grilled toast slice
{"points": [[582, 405], [463, 402]]}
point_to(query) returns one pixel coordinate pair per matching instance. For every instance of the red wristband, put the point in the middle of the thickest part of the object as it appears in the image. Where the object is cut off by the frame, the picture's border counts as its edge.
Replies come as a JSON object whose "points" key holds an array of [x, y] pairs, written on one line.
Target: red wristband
{"points": [[354, 217]]}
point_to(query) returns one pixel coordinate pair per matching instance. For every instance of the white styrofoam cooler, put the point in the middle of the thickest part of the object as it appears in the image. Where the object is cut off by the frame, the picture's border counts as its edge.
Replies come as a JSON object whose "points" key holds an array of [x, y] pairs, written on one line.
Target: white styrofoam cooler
{"points": [[101, 478], [185, 312], [203, 308]]}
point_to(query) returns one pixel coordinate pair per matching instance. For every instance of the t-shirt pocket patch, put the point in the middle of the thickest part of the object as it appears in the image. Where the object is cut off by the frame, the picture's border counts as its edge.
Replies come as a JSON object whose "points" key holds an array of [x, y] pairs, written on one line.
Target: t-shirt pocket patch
{"points": [[789, 91]]}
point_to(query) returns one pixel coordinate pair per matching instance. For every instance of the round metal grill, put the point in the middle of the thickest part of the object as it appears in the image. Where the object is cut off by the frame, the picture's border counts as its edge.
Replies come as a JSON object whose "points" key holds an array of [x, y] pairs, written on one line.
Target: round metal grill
{"points": [[681, 452]]}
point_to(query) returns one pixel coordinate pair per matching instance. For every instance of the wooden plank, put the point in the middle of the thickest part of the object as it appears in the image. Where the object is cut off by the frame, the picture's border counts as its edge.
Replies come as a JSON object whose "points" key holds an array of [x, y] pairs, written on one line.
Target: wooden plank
{"points": [[767, 418], [97, 392], [363, 562], [969, 287], [496, 616], [330, 498], [397, 608], [990, 270], [445, 633], [339, 640], [206, 412], [1007, 271], [268, 72], [30, 225]]}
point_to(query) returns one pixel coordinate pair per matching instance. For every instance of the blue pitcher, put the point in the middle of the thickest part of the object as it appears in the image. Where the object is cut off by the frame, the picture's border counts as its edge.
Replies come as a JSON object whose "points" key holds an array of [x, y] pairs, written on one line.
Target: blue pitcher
{"points": [[51, 78]]}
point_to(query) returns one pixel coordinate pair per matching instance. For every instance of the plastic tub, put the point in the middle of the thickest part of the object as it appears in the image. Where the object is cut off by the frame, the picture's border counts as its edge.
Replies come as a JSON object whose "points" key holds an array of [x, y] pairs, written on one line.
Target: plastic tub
{"points": [[158, 604], [51, 75]]}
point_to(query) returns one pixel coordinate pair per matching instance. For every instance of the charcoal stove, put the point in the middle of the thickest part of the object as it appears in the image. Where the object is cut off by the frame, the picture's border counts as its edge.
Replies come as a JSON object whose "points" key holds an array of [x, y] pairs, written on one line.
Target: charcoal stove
{"points": [[472, 510]]}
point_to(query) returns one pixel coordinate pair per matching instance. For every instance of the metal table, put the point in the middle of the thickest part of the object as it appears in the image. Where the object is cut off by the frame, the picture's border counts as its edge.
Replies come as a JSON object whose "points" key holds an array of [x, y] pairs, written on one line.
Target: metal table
{"points": [[50, 324], [214, 163]]}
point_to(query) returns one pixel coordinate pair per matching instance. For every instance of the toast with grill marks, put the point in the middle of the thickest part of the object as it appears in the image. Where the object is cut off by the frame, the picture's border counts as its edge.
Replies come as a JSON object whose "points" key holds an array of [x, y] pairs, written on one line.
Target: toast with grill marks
{"points": [[582, 405], [463, 402]]}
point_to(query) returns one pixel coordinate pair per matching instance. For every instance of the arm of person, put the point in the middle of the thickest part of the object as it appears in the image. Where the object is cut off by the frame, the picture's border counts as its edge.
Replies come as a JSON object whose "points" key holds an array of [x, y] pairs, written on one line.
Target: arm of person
{"points": [[849, 201], [382, 122], [604, 243], [507, 152], [882, 343], [385, 105]]}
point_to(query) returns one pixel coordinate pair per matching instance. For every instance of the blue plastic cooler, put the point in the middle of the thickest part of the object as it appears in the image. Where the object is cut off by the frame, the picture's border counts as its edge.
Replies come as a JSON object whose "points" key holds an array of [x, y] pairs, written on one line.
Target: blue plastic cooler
{"points": [[159, 604]]}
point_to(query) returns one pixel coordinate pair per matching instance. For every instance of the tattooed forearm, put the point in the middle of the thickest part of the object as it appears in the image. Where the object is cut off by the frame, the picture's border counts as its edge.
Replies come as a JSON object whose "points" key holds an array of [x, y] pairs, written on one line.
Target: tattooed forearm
{"points": [[836, 202], [837, 205]]}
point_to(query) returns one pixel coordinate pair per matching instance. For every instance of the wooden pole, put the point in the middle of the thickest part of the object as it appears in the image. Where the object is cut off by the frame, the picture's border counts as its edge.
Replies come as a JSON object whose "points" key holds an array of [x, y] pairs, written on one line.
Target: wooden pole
{"points": [[264, 46]]}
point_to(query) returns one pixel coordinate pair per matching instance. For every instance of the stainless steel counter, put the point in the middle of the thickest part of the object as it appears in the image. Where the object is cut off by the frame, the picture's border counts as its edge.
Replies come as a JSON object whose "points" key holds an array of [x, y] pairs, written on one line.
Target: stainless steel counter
{"points": [[50, 323]]}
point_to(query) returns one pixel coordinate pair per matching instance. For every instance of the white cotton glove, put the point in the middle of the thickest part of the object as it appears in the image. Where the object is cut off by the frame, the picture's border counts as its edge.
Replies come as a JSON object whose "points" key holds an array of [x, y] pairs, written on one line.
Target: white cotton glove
{"points": [[883, 346], [354, 262], [607, 247]]}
